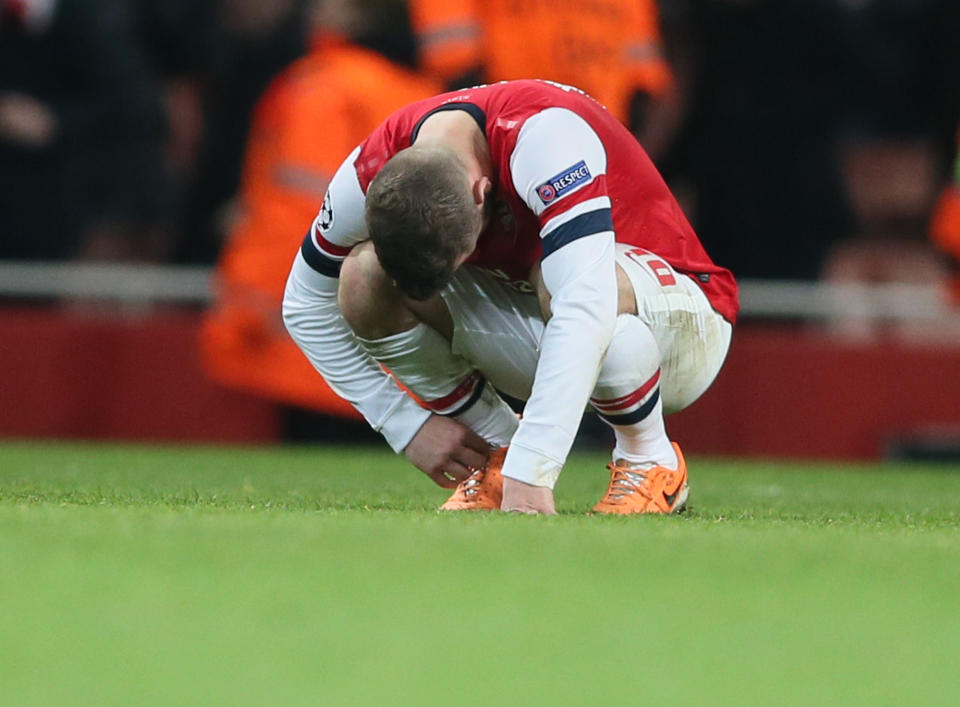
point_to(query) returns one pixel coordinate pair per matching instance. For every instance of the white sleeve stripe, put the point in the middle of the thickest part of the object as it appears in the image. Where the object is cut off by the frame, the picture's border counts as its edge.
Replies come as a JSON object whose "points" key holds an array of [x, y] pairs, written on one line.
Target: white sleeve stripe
{"points": [[598, 202], [549, 145]]}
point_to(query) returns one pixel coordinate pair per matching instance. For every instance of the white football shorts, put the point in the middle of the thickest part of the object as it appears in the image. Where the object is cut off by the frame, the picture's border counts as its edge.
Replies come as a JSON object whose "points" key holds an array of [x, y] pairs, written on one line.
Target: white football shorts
{"points": [[497, 326]]}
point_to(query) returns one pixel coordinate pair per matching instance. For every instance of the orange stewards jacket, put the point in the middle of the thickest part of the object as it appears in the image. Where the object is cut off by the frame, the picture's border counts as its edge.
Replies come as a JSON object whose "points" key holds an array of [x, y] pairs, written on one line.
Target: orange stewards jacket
{"points": [[307, 121], [609, 48], [945, 226]]}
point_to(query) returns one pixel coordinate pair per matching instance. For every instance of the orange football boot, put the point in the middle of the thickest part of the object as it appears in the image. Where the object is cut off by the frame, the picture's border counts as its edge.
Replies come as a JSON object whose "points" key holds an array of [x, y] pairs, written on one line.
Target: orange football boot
{"points": [[482, 490], [656, 490]]}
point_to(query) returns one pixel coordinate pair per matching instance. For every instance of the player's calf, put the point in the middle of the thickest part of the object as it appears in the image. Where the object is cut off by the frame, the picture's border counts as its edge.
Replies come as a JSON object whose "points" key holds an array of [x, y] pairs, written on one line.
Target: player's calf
{"points": [[627, 397]]}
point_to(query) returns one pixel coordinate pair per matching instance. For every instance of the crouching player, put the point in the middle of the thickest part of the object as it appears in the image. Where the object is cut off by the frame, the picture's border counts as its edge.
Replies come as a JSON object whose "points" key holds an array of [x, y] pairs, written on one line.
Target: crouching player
{"points": [[512, 237]]}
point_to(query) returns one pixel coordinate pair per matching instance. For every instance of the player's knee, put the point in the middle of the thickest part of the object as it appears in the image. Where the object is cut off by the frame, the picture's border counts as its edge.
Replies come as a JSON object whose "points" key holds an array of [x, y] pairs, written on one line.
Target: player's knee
{"points": [[368, 299], [631, 359]]}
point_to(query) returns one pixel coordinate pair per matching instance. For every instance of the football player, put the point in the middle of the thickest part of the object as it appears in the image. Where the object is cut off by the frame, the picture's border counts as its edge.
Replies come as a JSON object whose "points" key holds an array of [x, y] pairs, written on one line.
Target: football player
{"points": [[512, 237]]}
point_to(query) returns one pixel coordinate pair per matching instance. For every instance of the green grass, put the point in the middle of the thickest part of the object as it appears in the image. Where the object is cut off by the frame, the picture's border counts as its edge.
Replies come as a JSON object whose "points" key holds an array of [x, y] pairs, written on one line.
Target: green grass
{"points": [[142, 575]]}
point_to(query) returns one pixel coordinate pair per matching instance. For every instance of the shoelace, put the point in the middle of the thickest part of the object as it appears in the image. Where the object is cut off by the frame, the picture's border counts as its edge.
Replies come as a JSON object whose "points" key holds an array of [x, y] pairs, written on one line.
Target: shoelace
{"points": [[470, 485], [626, 482]]}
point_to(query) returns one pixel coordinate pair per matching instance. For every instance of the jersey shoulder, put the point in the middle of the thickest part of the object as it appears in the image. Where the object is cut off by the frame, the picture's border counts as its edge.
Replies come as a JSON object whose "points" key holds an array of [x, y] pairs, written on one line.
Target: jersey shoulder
{"points": [[392, 135]]}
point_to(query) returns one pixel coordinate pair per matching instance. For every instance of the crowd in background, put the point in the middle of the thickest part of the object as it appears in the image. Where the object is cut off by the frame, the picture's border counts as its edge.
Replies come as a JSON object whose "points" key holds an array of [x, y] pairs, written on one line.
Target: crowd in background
{"points": [[794, 131]]}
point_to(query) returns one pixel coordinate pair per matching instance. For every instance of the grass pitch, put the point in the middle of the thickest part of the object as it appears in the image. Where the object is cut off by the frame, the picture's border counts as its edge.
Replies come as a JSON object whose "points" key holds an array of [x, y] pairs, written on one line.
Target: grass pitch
{"points": [[142, 575]]}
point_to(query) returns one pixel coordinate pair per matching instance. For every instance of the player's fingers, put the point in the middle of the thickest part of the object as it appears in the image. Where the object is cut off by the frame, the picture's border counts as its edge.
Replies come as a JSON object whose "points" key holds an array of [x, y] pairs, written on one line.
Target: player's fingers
{"points": [[471, 458], [456, 470], [475, 442], [442, 480]]}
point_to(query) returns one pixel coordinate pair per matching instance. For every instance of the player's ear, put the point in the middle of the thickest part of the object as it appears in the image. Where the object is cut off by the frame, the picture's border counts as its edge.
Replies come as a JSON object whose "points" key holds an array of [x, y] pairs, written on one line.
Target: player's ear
{"points": [[481, 188]]}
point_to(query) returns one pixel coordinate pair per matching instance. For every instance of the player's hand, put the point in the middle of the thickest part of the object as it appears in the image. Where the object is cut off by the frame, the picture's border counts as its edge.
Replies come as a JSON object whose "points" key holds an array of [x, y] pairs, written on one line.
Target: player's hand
{"points": [[519, 497], [447, 451]]}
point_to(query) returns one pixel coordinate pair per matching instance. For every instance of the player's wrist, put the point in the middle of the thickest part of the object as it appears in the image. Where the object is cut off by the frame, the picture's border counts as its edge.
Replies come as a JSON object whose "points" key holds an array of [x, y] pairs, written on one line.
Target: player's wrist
{"points": [[403, 423], [519, 497], [531, 467]]}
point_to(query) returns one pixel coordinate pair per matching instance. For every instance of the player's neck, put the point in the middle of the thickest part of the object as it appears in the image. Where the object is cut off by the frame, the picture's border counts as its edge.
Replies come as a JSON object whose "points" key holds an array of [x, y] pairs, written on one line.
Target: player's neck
{"points": [[456, 130]]}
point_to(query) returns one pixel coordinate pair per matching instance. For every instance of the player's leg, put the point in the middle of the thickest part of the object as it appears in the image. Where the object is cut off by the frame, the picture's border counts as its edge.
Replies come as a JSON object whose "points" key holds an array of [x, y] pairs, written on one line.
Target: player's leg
{"points": [[393, 331], [668, 347], [498, 329], [403, 336], [627, 396], [497, 326], [647, 474], [692, 336]]}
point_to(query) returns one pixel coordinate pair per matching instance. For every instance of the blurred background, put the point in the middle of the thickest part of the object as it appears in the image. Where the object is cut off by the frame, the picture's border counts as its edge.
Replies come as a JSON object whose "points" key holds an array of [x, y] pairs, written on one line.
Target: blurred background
{"points": [[160, 162]]}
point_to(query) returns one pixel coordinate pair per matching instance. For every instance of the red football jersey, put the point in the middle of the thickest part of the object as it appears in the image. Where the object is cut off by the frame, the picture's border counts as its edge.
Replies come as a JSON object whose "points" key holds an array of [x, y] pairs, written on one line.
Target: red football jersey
{"points": [[644, 212]]}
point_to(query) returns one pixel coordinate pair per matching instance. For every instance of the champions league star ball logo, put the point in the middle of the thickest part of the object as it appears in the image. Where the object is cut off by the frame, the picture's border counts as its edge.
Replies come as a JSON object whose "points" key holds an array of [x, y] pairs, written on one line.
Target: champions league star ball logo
{"points": [[326, 214], [546, 193], [565, 182]]}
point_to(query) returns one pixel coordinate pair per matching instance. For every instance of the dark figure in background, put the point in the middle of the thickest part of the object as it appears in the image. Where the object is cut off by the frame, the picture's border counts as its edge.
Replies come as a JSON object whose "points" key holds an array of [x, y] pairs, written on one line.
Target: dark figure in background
{"points": [[905, 72], [255, 40], [778, 91], [764, 104], [81, 174], [179, 38], [903, 107]]}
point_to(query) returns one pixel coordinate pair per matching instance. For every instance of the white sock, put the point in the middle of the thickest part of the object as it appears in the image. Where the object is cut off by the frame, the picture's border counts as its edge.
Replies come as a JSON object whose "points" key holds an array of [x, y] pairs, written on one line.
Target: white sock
{"points": [[627, 396], [421, 359]]}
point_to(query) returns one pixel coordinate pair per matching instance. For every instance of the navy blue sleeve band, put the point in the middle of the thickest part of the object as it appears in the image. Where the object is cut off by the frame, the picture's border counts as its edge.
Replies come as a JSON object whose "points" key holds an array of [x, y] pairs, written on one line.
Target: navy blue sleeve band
{"points": [[583, 225], [317, 260]]}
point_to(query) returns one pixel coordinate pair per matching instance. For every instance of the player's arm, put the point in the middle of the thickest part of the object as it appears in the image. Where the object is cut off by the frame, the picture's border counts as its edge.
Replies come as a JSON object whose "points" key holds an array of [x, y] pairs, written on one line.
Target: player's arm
{"points": [[312, 315], [559, 167]]}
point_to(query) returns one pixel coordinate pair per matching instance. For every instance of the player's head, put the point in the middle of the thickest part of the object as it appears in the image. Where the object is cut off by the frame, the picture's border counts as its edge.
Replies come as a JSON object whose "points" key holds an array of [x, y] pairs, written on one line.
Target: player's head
{"points": [[423, 218]]}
